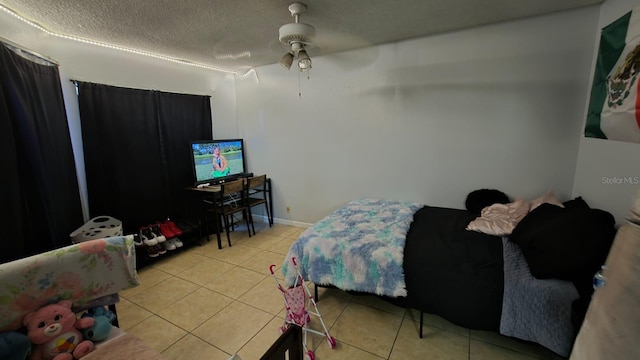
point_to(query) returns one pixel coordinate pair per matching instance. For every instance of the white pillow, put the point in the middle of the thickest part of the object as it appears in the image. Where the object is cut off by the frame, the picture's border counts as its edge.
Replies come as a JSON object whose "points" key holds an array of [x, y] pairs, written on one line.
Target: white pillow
{"points": [[547, 197]]}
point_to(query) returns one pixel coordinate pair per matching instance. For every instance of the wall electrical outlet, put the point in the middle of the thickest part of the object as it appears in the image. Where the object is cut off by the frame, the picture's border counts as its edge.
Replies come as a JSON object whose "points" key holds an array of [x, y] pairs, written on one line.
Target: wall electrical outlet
{"points": [[288, 208]]}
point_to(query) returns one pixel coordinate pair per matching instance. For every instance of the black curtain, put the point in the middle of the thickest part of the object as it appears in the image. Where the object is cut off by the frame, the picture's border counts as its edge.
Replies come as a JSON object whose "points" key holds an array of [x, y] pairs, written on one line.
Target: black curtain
{"points": [[39, 187], [136, 149]]}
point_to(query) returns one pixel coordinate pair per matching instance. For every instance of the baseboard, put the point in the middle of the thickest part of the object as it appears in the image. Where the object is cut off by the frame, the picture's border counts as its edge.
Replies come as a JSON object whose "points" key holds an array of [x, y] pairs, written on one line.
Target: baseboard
{"points": [[292, 223], [299, 224]]}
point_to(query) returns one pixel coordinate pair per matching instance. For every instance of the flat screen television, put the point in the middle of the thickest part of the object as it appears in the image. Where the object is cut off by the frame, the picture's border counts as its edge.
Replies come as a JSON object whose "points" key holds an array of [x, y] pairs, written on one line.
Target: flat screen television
{"points": [[217, 161]]}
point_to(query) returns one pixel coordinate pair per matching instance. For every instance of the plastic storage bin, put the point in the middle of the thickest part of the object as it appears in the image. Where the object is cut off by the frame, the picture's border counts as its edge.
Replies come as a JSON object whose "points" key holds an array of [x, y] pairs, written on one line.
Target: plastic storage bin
{"points": [[97, 228]]}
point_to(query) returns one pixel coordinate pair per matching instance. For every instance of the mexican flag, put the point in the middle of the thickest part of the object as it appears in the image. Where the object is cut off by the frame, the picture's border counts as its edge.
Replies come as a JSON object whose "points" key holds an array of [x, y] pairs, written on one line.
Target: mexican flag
{"points": [[614, 107]]}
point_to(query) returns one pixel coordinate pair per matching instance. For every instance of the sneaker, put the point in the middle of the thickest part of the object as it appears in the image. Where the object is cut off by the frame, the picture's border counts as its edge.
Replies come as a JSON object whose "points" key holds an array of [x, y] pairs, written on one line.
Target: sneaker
{"points": [[166, 231], [173, 227], [155, 230], [178, 242], [170, 244], [147, 237], [161, 248], [137, 240], [152, 251]]}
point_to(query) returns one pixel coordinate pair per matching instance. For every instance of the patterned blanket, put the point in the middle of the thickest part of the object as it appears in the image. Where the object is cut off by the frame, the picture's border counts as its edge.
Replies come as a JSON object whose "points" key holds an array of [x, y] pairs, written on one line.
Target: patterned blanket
{"points": [[357, 247], [533, 309]]}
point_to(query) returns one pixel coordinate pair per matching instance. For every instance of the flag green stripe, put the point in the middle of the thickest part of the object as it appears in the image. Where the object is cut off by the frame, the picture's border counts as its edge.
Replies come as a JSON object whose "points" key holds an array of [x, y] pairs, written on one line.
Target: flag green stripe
{"points": [[612, 43]]}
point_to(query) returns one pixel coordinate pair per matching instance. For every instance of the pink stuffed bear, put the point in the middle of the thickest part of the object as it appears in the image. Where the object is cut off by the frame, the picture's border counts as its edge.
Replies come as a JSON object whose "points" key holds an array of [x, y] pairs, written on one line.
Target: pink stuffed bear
{"points": [[53, 329]]}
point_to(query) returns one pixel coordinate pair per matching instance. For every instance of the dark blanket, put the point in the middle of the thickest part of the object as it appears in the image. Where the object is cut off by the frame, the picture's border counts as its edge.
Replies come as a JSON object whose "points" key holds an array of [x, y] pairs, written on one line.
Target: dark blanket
{"points": [[453, 272]]}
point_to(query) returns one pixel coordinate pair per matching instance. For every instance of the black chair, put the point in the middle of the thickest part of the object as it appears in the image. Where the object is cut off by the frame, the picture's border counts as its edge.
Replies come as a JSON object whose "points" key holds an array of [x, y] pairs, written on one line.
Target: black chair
{"points": [[257, 194], [231, 199]]}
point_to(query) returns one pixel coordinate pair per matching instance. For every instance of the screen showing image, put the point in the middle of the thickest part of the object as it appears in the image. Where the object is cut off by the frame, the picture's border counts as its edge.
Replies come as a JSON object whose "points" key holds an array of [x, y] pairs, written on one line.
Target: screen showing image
{"points": [[214, 160]]}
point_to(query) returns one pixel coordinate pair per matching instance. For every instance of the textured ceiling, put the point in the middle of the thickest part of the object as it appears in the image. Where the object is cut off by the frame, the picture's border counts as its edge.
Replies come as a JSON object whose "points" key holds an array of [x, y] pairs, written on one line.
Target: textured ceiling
{"points": [[242, 34]]}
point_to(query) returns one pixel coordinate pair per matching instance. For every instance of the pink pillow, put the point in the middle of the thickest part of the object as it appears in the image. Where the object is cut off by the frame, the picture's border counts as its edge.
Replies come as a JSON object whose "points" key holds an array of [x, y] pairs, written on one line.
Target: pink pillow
{"points": [[548, 197], [500, 219]]}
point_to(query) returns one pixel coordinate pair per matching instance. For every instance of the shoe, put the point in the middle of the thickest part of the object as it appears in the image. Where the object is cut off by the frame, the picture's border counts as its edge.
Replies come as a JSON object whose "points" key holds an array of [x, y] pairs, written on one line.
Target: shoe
{"points": [[170, 244], [137, 241], [155, 230], [177, 242], [147, 237], [166, 231], [161, 248], [173, 227], [152, 251]]}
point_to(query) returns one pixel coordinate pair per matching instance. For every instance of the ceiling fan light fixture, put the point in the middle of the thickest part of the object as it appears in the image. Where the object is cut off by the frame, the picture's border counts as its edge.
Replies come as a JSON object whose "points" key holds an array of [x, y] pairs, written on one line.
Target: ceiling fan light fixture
{"points": [[304, 61], [296, 32], [287, 60]]}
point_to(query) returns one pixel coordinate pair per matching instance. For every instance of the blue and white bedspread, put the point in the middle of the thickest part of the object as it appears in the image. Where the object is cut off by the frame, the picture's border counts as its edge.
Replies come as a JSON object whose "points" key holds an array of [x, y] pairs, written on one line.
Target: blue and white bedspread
{"points": [[357, 247]]}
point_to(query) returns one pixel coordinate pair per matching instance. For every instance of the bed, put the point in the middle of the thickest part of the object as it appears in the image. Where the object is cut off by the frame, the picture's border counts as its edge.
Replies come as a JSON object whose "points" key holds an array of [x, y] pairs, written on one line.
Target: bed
{"points": [[423, 257]]}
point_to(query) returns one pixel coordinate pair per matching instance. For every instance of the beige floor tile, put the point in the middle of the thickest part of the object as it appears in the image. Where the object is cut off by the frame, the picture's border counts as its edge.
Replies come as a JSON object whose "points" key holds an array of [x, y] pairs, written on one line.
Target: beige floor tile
{"points": [[282, 247], [520, 346], [377, 303], [263, 241], [238, 238], [344, 351], [206, 248], [148, 277], [236, 254], [174, 264], [260, 222], [484, 351], [237, 235], [436, 343], [231, 329], [436, 321], [163, 294], [261, 342], [330, 308], [262, 262], [157, 333], [295, 233], [191, 347], [235, 282], [195, 308], [280, 230], [130, 314], [264, 296], [367, 328], [205, 271]]}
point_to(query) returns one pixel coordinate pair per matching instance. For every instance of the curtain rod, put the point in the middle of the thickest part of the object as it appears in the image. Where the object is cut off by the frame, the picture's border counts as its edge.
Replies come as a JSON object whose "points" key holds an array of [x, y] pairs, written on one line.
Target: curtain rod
{"points": [[30, 52]]}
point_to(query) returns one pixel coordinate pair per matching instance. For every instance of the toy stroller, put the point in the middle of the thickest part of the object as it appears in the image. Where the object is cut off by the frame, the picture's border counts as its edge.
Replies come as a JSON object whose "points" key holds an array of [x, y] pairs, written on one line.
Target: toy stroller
{"points": [[297, 314]]}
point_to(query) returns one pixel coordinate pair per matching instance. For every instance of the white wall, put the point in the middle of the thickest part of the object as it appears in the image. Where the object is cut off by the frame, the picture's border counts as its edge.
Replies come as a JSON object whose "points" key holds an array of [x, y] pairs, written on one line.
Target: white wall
{"points": [[426, 120], [99, 65], [601, 161]]}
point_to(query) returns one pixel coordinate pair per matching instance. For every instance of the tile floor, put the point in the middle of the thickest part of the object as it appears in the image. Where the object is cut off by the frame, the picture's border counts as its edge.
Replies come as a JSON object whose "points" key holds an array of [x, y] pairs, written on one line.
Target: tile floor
{"points": [[206, 303]]}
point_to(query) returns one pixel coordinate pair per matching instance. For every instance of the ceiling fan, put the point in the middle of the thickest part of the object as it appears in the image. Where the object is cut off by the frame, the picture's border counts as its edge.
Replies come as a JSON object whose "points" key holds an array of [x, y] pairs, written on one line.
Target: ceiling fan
{"points": [[297, 37]]}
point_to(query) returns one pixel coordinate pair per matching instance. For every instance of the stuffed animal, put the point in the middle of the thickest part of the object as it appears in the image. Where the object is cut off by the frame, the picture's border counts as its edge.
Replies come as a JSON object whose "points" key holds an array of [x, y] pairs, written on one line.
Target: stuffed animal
{"points": [[102, 325], [54, 330], [99, 331], [100, 311], [14, 346]]}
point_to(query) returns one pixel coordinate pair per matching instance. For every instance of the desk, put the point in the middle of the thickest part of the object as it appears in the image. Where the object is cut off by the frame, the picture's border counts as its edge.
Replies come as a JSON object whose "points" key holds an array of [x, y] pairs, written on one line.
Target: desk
{"points": [[214, 190]]}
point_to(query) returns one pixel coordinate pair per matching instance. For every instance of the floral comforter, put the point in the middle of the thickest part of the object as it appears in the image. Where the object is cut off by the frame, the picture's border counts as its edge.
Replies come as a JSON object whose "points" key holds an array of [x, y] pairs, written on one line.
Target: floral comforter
{"points": [[357, 247], [81, 273]]}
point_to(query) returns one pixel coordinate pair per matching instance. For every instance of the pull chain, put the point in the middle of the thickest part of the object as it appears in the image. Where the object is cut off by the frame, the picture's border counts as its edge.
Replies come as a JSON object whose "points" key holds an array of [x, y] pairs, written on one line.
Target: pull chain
{"points": [[299, 83], [299, 86]]}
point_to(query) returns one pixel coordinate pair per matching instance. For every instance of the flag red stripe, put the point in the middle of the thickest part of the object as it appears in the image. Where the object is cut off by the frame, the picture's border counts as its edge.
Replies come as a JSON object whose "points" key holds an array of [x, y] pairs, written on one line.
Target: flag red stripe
{"points": [[638, 103]]}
